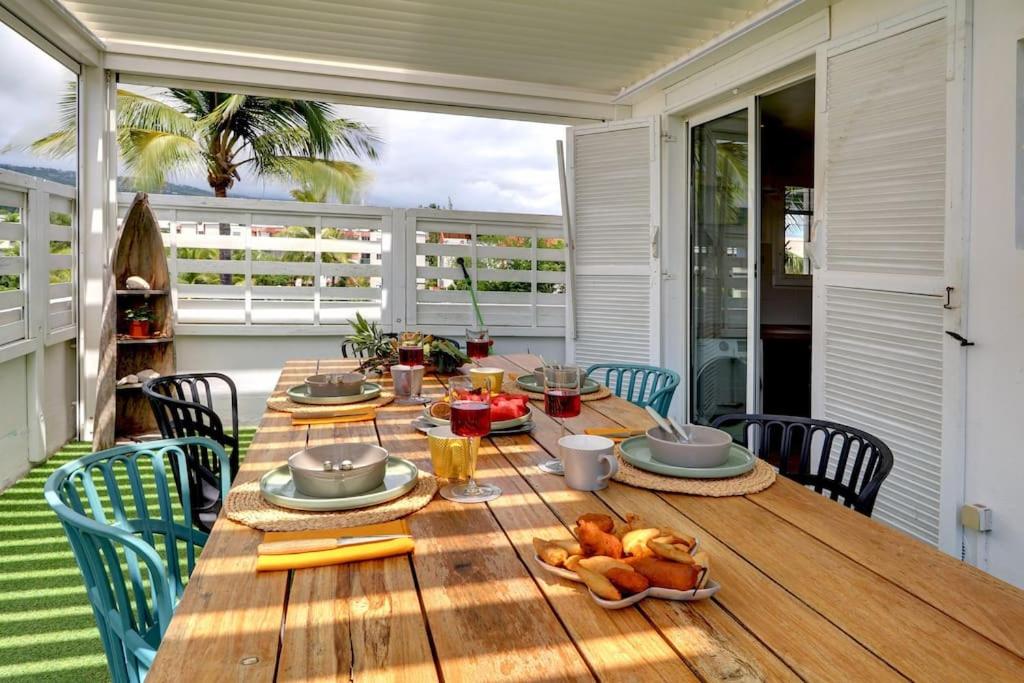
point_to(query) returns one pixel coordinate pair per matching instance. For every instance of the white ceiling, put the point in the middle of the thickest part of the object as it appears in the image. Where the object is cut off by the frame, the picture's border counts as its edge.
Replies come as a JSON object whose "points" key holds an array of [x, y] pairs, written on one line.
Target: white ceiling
{"points": [[594, 45]]}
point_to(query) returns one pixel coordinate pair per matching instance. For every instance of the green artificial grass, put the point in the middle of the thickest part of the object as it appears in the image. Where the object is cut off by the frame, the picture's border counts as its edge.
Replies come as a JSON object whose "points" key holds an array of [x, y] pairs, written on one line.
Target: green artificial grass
{"points": [[47, 631]]}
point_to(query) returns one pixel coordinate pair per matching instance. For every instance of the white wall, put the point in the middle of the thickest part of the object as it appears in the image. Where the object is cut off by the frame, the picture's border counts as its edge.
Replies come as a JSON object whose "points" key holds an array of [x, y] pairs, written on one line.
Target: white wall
{"points": [[254, 362], [58, 409], [995, 305], [994, 266]]}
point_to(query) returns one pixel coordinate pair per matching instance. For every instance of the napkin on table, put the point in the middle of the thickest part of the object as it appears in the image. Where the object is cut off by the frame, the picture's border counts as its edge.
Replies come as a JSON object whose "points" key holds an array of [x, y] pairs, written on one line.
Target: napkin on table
{"points": [[335, 419], [352, 553]]}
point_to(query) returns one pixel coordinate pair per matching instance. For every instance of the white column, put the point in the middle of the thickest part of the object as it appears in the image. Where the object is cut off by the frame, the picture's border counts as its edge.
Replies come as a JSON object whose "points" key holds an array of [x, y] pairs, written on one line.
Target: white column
{"points": [[97, 224]]}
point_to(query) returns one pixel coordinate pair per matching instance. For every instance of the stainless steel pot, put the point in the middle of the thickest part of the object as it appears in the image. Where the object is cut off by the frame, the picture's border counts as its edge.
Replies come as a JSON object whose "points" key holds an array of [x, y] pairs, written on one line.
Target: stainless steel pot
{"points": [[336, 384], [338, 470]]}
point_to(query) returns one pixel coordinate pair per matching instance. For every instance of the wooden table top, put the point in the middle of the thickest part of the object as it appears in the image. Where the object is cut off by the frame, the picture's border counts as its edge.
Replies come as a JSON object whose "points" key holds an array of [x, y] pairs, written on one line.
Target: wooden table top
{"points": [[810, 590]]}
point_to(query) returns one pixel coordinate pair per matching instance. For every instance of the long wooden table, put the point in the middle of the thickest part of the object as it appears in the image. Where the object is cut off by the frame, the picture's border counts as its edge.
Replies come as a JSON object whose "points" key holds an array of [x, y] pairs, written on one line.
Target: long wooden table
{"points": [[810, 590]]}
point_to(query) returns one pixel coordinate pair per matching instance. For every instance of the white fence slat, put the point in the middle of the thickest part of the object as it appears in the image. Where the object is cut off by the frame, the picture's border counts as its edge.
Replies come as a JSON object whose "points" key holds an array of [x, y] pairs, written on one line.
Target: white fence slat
{"points": [[12, 231], [11, 331], [60, 233], [188, 265], [351, 269], [60, 319], [12, 265], [62, 290], [60, 261], [14, 298]]}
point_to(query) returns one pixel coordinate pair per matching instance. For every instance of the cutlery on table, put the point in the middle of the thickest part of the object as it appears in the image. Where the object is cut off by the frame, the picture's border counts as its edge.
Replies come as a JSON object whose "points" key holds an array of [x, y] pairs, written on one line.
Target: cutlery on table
{"points": [[683, 431], [665, 426], [310, 545], [614, 432]]}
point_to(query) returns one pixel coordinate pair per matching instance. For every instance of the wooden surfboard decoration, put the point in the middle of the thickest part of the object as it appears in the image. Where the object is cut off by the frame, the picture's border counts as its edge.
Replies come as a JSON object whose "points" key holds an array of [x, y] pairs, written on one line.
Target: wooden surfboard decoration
{"points": [[122, 412]]}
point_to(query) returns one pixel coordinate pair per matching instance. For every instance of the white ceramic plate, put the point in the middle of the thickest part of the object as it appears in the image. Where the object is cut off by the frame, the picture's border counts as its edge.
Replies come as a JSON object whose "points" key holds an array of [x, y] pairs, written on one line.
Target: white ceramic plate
{"points": [[300, 394], [495, 426], [662, 593], [278, 488]]}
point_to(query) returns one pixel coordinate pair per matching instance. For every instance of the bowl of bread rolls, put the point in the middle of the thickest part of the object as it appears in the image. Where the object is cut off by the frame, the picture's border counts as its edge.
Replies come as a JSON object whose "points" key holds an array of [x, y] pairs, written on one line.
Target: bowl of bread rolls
{"points": [[623, 563]]}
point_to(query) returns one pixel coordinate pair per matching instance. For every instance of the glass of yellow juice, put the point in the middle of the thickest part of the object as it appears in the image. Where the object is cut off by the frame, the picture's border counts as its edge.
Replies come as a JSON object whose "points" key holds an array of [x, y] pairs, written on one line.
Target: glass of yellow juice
{"points": [[450, 456]]}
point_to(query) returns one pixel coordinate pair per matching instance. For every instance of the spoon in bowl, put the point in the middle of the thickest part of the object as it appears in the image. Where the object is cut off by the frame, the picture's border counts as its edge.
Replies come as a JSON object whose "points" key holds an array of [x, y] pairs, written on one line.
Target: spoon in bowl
{"points": [[665, 426]]}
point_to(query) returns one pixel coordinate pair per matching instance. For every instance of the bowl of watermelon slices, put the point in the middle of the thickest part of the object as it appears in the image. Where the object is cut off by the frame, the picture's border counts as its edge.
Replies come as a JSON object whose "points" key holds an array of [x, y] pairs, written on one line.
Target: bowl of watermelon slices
{"points": [[507, 411]]}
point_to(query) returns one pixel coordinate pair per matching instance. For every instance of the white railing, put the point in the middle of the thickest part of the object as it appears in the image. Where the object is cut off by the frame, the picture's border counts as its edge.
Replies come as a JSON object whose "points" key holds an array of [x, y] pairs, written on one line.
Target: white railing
{"points": [[279, 267], [38, 248]]}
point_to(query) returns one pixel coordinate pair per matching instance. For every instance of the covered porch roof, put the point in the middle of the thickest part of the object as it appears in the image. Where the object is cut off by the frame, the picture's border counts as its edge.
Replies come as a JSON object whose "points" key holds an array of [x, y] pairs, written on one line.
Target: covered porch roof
{"points": [[566, 60]]}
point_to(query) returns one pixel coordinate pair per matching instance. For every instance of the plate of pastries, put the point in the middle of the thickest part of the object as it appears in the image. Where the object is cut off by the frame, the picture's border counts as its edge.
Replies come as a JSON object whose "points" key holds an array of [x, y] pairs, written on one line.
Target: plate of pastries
{"points": [[623, 563]]}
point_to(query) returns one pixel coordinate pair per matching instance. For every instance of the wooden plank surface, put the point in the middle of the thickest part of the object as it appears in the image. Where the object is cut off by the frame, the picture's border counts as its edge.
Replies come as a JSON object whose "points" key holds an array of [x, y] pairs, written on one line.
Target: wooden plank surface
{"points": [[359, 621], [227, 625], [861, 599], [810, 590], [487, 616]]}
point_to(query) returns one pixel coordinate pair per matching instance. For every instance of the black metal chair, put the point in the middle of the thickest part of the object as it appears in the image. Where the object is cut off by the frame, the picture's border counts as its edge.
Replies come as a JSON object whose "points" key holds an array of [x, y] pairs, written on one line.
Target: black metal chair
{"points": [[851, 464], [183, 407]]}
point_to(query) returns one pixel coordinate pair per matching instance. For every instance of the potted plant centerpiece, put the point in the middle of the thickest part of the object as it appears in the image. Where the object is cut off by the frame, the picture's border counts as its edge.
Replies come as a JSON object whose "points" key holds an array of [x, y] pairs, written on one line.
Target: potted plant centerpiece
{"points": [[379, 350], [139, 319]]}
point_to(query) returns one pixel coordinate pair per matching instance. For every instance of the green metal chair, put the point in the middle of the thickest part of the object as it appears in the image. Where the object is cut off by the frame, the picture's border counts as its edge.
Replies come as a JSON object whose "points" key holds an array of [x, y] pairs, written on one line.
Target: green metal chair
{"points": [[128, 530], [643, 385]]}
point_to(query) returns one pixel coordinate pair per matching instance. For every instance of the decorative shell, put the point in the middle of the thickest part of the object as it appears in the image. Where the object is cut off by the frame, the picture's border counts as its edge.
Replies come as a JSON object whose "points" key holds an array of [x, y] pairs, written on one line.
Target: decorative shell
{"points": [[136, 282], [147, 374]]}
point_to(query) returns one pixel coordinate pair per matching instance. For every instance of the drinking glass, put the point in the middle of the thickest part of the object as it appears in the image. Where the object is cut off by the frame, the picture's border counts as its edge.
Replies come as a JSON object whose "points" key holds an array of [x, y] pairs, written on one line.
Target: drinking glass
{"points": [[410, 353], [471, 418], [478, 343], [561, 400]]}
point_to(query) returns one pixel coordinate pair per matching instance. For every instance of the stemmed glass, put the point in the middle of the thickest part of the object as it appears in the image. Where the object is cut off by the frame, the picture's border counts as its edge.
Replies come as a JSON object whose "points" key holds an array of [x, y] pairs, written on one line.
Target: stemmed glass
{"points": [[471, 417], [478, 343], [410, 353], [561, 400]]}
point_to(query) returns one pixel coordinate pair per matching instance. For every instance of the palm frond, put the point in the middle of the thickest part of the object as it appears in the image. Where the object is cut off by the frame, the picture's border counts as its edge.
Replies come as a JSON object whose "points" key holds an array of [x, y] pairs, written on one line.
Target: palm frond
{"points": [[136, 111], [150, 156], [63, 141], [320, 179]]}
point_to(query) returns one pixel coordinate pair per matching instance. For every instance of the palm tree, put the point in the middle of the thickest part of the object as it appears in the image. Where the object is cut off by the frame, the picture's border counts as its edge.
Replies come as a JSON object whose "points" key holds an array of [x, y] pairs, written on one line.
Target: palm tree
{"points": [[221, 134]]}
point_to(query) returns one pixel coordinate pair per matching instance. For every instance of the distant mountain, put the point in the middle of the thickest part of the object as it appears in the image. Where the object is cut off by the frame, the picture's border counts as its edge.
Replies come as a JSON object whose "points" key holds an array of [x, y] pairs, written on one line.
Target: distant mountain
{"points": [[123, 184]]}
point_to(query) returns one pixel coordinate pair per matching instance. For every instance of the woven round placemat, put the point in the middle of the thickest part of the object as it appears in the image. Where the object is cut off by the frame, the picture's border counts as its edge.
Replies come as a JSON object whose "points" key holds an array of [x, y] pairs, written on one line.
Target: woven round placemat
{"points": [[246, 505], [757, 479], [280, 401], [511, 387]]}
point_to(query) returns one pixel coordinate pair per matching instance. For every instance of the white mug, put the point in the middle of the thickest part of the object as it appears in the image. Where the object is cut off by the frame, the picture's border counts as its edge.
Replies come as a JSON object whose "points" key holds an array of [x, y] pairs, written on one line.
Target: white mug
{"points": [[589, 461]]}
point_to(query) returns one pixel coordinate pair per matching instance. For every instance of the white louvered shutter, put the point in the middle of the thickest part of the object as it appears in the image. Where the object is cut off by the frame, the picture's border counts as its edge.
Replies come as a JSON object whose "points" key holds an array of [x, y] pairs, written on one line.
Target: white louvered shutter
{"points": [[879, 321], [614, 186]]}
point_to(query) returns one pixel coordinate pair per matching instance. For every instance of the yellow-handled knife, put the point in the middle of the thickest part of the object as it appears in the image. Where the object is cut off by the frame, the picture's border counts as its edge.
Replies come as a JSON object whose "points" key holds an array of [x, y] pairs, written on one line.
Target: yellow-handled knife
{"points": [[311, 545]]}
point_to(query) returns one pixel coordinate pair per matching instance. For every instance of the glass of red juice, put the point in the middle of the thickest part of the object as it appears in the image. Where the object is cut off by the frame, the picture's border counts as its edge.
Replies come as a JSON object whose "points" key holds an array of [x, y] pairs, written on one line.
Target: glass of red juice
{"points": [[471, 417], [561, 400], [410, 353], [478, 343]]}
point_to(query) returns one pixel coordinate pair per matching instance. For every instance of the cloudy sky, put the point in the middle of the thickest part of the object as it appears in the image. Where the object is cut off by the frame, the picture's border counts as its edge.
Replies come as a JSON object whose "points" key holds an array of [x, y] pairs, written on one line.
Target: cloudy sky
{"points": [[481, 164]]}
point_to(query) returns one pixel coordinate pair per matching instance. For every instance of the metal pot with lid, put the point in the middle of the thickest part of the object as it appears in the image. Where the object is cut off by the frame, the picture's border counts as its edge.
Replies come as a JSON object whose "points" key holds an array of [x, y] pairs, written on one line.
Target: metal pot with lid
{"points": [[338, 470]]}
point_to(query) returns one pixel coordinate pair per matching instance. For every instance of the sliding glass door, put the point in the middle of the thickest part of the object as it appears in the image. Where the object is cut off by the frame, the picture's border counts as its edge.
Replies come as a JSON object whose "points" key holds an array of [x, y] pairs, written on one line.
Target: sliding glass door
{"points": [[721, 266]]}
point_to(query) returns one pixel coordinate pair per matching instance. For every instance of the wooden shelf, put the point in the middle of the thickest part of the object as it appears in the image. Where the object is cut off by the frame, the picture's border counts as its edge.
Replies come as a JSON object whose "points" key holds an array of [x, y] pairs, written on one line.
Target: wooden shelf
{"points": [[141, 292], [147, 340], [128, 387]]}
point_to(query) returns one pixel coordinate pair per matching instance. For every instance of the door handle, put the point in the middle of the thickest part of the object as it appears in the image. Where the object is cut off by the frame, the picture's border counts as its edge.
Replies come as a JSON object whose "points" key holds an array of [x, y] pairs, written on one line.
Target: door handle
{"points": [[656, 232], [959, 338]]}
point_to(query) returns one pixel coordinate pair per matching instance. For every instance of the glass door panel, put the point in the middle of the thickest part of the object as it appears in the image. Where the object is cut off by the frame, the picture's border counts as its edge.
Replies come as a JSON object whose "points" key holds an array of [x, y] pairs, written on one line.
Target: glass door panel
{"points": [[719, 267]]}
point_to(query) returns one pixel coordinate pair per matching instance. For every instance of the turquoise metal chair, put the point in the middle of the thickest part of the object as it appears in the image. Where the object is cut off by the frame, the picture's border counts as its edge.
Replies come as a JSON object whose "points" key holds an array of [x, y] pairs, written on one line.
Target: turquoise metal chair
{"points": [[128, 529], [643, 385]]}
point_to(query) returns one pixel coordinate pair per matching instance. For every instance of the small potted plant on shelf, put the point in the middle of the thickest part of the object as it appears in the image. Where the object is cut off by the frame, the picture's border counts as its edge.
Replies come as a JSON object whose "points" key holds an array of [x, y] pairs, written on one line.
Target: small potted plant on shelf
{"points": [[139, 319]]}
